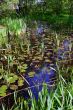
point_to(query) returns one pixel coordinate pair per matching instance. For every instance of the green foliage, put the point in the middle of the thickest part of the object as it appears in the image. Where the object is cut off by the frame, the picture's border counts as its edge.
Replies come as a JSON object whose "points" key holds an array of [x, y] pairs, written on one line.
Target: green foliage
{"points": [[20, 82], [31, 74], [23, 68], [3, 89], [59, 13], [14, 25], [13, 87], [59, 99], [2, 35], [11, 79]]}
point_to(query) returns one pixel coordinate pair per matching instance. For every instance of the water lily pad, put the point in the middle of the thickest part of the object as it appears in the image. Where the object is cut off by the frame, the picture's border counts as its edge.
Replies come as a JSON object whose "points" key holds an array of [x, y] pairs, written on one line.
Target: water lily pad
{"points": [[23, 70], [39, 58], [31, 74], [11, 74], [12, 78], [15, 77], [25, 66], [13, 87], [37, 61], [20, 82], [48, 53], [2, 94], [47, 60], [3, 89]]}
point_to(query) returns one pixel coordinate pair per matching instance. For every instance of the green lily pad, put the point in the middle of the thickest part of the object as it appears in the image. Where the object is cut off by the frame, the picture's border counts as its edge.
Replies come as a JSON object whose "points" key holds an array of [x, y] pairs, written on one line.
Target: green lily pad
{"points": [[11, 74], [47, 60], [15, 77], [20, 82], [13, 87], [25, 66], [2, 94], [31, 74], [3, 89], [12, 78], [22, 68]]}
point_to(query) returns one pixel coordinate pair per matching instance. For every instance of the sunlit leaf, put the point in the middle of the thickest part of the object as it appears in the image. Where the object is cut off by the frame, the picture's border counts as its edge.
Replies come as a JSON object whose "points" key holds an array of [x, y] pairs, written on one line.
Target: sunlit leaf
{"points": [[20, 82]]}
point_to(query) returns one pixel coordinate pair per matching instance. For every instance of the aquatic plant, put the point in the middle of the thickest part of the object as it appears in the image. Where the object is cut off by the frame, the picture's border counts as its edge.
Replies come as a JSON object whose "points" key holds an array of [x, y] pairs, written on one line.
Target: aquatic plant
{"points": [[11, 78], [20, 82], [31, 74], [61, 98], [3, 90], [22, 68], [13, 87]]}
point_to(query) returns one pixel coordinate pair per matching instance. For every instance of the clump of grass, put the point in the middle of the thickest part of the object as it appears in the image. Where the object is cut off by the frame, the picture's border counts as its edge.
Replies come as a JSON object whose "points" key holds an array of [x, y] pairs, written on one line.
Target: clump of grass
{"points": [[59, 99]]}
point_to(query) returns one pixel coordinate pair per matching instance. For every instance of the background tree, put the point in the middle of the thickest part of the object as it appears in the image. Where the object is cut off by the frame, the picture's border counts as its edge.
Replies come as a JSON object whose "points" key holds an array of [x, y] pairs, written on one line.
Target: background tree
{"points": [[71, 7], [57, 6]]}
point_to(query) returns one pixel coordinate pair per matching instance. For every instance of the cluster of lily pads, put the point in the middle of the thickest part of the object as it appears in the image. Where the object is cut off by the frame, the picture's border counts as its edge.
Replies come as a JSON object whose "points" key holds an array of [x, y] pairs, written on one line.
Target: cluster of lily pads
{"points": [[35, 59], [9, 82]]}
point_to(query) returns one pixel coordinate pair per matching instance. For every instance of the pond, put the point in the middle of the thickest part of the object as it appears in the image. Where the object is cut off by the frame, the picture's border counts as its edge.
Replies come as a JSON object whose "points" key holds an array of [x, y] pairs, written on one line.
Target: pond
{"points": [[31, 57]]}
